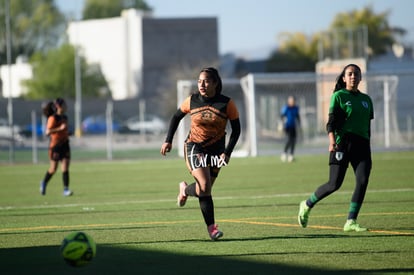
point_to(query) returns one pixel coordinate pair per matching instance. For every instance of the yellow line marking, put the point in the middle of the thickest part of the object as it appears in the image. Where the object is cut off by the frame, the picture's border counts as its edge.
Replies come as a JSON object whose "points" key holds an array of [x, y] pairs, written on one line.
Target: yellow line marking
{"points": [[314, 226], [239, 221]]}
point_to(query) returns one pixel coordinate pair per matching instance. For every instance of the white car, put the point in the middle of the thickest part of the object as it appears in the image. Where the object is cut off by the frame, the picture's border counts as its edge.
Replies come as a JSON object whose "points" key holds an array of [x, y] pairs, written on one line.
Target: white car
{"points": [[6, 131], [150, 125]]}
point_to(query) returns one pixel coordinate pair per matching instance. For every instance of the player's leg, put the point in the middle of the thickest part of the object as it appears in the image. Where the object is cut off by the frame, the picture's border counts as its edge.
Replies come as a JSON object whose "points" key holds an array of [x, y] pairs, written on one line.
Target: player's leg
{"points": [[65, 177], [336, 177], [362, 170], [284, 155], [292, 138], [53, 164], [186, 190], [213, 230], [203, 190]]}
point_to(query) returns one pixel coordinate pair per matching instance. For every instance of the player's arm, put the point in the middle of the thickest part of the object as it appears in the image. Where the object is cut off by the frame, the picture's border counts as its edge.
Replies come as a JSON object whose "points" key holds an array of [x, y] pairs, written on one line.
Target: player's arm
{"points": [[175, 121], [233, 115], [61, 127], [332, 125], [234, 137], [50, 127], [298, 117], [336, 120]]}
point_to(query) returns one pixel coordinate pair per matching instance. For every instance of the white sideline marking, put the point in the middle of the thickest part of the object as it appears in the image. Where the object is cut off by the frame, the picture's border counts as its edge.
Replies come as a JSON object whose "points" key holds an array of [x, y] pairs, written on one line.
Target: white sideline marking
{"points": [[89, 206]]}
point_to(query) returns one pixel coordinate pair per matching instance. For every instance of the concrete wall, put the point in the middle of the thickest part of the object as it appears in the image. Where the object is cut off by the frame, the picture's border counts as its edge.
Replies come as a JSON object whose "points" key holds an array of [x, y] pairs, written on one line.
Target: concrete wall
{"points": [[171, 44]]}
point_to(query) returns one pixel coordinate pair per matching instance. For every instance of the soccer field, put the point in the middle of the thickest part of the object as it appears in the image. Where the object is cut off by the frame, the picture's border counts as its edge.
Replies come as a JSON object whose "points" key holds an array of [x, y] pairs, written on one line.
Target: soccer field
{"points": [[129, 208]]}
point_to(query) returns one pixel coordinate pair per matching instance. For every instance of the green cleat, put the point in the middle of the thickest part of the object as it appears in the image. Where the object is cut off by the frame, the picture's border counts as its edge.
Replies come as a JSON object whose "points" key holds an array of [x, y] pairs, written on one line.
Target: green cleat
{"points": [[352, 225], [303, 215]]}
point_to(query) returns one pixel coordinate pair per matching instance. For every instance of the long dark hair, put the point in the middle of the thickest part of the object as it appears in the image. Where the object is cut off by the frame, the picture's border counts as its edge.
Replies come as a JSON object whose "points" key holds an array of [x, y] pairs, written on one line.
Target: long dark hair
{"points": [[340, 84], [48, 109], [213, 73]]}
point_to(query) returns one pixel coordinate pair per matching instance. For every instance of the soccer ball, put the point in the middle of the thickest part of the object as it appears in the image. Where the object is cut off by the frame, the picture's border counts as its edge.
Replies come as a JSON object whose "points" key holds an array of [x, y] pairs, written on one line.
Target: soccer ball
{"points": [[78, 249]]}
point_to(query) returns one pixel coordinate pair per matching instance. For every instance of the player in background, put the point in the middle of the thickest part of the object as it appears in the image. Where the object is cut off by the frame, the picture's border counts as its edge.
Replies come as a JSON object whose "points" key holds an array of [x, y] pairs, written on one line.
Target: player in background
{"points": [[349, 132], [205, 149], [291, 118], [59, 149]]}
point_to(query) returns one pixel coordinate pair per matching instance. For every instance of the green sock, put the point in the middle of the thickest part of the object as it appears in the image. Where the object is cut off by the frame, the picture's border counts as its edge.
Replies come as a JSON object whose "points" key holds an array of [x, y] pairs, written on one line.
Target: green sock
{"points": [[354, 208], [312, 200]]}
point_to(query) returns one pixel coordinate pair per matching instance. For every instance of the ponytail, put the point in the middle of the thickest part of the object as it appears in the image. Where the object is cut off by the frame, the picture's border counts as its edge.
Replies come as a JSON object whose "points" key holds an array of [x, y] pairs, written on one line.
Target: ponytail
{"points": [[48, 109]]}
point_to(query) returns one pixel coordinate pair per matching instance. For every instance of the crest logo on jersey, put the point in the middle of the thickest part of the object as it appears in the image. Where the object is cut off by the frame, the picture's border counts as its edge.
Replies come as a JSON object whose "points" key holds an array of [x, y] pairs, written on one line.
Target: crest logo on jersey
{"points": [[339, 156], [365, 104], [206, 115]]}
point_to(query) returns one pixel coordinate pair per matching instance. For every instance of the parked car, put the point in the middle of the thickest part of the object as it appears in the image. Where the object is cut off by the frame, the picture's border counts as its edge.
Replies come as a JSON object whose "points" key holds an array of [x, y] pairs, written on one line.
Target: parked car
{"points": [[97, 125], [27, 130], [150, 125], [6, 131]]}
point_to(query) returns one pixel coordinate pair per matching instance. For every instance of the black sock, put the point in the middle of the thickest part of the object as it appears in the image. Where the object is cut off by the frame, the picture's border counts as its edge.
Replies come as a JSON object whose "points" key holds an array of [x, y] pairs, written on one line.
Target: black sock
{"points": [[65, 178], [47, 177], [190, 190], [207, 209]]}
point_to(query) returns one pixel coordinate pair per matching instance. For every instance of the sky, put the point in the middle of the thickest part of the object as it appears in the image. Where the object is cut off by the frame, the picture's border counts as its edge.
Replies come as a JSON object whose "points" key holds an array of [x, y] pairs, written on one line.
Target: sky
{"points": [[250, 29]]}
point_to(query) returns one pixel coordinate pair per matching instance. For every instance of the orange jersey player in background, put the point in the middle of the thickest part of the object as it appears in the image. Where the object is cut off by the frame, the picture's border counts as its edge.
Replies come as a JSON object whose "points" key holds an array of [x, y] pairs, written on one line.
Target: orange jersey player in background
{"points": [[59, 148]]}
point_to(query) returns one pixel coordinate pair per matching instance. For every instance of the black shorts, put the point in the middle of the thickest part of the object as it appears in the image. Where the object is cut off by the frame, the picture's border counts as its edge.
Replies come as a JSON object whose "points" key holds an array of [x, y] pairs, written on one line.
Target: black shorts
{"points": [[197, 156], [60, 151], [353, 149]]}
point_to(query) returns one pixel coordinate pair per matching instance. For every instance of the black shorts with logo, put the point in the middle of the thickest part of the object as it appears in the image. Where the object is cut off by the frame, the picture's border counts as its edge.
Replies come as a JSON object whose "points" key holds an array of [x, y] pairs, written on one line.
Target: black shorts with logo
{"points": [[198, 156], [353, 149]]}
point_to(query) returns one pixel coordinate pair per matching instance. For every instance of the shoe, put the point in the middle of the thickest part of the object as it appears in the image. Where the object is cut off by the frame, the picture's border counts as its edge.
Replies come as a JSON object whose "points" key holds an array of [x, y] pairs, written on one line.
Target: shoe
{"points": [[283, 157], [67, 193], [214, 233], [303, 215], [352, 225], [290, 158], [42, 188], [182, 197]]}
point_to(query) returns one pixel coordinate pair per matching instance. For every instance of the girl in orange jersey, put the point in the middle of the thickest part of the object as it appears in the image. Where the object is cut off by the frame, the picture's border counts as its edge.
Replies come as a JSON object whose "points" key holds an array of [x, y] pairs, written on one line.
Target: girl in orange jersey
{"points": [[59, 149], [205, 148]]}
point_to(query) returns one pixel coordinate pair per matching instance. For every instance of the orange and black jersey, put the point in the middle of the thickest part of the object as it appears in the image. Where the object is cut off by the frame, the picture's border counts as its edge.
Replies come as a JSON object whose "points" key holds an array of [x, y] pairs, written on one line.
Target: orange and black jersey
{"points": [[59, 137], [209, 118]]}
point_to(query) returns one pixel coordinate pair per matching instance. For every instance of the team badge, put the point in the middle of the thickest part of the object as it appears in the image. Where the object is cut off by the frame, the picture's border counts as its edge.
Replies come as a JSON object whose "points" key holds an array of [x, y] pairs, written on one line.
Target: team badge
{"points": [[206, 115], [339, 156], [365, 104]]}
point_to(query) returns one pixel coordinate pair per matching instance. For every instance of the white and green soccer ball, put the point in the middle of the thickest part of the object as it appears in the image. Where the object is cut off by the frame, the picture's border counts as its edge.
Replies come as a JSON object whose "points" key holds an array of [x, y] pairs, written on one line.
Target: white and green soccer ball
{"points": [[78, 249]]}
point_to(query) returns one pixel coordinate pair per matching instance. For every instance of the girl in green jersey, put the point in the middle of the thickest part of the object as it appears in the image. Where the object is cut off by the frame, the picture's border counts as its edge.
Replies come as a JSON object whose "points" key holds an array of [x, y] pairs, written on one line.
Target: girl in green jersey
{"points": [[348, 128]]}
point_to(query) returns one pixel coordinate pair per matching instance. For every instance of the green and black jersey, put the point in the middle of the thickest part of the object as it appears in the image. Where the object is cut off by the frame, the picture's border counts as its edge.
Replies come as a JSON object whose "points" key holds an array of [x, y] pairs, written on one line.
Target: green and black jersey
{"points": [[350, 113]]}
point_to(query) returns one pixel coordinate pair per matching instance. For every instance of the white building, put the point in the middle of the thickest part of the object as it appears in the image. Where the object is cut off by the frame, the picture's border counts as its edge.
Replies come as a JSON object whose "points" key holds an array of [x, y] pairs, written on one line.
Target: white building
{"points": [[11, 78], [135, 51]]}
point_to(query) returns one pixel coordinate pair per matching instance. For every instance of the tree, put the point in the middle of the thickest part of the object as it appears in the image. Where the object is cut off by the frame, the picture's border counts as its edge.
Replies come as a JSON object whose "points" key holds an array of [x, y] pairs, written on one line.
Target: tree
{"points": [[111, 8], [296, 52], [380, 34], [36, 25], [54, 75]]}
